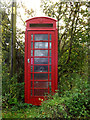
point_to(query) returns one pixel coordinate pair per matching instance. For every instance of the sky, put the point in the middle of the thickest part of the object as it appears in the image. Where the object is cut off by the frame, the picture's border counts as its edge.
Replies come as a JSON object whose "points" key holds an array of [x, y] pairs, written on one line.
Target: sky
{"points": [[34, 4]]}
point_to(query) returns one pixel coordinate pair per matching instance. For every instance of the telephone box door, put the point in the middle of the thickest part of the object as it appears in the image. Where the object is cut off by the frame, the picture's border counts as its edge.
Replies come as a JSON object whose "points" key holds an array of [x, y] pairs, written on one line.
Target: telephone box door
{"points": [[41, 65]]}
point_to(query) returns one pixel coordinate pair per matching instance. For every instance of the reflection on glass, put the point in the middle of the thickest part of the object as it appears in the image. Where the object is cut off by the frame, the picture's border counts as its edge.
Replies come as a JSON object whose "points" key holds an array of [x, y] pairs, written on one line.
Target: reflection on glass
{"points": [[50, 76], [31, 76], [50, 60], [41, 76], [50, 37], [40, 52], [41, 44], [41, 36], [50, 45], [31, 68], [31, 44], [40, 60], [39, 84], [50, 68], [31, 52], [40, 68], [40, 92], [31, 36], [50, 52]]}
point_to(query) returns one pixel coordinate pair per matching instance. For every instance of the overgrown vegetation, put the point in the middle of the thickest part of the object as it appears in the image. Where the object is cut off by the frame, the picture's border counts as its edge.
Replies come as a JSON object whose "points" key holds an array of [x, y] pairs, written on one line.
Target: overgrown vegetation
{"points": [[71, 99]]}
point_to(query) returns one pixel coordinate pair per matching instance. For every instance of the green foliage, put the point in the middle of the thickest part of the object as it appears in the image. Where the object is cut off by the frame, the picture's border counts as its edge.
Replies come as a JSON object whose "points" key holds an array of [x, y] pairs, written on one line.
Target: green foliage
{"points": [[53, 107], [72, 81], [73, 35], [13, 91], [72, 104]]}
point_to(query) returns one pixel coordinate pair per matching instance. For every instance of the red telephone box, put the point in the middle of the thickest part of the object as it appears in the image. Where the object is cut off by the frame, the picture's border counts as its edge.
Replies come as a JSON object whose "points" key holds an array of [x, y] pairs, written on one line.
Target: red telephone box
{"points": [[41, 58]]}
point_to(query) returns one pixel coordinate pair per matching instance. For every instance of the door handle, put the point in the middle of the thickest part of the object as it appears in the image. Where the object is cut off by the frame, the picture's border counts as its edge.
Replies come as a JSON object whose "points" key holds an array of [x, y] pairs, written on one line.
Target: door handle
{"points": [[28, 60]]}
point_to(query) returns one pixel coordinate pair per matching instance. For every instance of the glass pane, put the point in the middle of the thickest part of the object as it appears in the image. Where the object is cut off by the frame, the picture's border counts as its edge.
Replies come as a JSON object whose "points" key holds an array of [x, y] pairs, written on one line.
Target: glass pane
{"points": [[31, 68], [31, 92], [50, 86], [38, 84], [41, 76], [31, 44], [50, 45], [50, 76], [50, 37], [31, 60], [31, 52], [50, 60], [40, 92], [50, 68], [40, 68], [41, 36], [50, 52], [31, 76], [40, 52], [40, 60], [31, 36], [41, 44], [31, 84]]}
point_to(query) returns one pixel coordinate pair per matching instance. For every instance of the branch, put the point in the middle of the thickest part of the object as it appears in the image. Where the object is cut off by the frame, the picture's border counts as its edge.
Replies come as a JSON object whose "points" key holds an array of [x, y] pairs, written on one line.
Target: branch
{"points": [[69, 19], [72, 34], [20, 46]]}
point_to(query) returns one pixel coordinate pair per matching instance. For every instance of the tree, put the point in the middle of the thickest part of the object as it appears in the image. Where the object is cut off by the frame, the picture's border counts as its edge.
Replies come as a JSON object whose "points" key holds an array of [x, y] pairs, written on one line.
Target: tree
{"points": [[72, 38]]}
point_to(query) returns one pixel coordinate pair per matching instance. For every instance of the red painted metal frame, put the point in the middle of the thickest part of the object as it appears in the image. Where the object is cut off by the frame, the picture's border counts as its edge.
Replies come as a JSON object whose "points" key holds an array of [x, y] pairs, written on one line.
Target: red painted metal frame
{"points": [[35, 100]]}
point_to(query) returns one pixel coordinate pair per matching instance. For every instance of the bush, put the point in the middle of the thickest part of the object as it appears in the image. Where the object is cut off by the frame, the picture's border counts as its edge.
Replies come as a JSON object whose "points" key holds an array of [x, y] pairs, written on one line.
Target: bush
{"points": [[53, 107], [72, 103], [12, 90]]}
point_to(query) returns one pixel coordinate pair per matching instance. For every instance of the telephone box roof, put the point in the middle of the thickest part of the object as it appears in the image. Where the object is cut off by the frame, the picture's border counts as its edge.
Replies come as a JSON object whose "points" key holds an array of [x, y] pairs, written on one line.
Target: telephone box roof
{"points": [[41, 18]]}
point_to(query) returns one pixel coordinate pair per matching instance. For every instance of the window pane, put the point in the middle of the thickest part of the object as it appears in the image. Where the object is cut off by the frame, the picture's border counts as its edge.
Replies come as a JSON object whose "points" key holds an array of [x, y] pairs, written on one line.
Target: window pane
{"points": [[31, 68], [31, 92], [31, 76], [38, 84], [31, 52], [31, 84], [40, 52], [50, 45], [32, 37], [41, 76], [50, 52], [40, 60], [50, 60], [50, 68], [50, 37], [50, 76], [40, 92], [50, 86], [41, 44], [31, 44], [31, 60], [41, 36], [40, 68]]}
